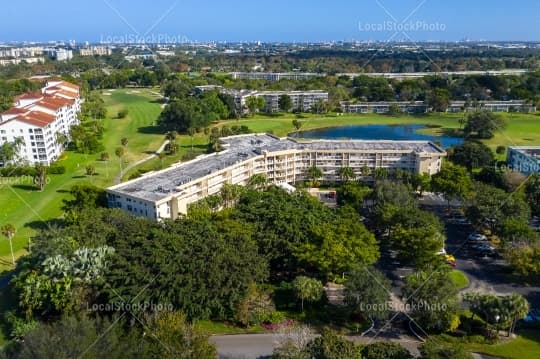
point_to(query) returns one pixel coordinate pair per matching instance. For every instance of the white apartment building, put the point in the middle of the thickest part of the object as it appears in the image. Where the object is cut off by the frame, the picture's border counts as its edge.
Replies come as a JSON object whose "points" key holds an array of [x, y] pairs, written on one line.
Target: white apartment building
{"points": [[20, 60], [38, 118], [383, 107], [492, 106], [301, 100], [167, 194], [274, 76], [421, 107], [95, 51]]}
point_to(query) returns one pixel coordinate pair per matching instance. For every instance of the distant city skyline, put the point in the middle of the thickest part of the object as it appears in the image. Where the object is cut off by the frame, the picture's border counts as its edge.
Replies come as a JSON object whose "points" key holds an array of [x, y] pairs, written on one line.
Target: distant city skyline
{"points": [[170, 21]]}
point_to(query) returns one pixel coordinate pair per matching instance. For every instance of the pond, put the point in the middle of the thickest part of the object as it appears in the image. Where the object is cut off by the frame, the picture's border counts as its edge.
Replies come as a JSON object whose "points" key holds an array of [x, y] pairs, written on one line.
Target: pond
{"points": [[378, 132]]}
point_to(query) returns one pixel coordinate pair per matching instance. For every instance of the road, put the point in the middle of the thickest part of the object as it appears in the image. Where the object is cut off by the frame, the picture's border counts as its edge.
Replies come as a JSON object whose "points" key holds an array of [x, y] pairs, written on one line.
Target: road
{"points": [[485, 274], [255, 346]]}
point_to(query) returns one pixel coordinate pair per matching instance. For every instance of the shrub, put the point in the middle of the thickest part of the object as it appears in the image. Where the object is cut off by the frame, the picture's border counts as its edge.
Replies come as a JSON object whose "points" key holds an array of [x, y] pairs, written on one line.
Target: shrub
{"points": [[189, 156], [12, 171], [105, 156], [56, 170], [123, 113], [500, 150]]}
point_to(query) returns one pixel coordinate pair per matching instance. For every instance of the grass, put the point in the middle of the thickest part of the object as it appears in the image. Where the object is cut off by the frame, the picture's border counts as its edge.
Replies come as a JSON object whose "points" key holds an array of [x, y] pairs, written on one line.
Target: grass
{"points": [[221, 328], [525, 346], [28, 209], [522, 129], [459, 279]]}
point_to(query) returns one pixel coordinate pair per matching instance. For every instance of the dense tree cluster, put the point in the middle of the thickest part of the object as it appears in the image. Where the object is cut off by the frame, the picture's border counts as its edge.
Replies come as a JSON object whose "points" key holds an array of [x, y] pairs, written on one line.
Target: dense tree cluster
{"points": [[12, 88]]}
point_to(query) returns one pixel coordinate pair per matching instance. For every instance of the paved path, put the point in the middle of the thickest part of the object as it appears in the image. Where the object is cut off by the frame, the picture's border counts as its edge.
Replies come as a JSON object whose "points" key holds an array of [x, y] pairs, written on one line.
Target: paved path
{"points": [[118, 178]]}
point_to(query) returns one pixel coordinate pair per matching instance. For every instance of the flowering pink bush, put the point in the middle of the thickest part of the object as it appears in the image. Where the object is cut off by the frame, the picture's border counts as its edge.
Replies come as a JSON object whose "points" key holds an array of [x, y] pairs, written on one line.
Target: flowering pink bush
{"points": [[287, 323]]}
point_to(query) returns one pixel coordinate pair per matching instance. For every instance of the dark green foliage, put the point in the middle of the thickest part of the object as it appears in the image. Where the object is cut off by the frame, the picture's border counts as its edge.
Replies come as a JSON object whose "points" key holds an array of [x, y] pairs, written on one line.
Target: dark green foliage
{"points": [[483, 125], [490, 206], [385, 350], [367, 291], [56, 169], [532, 190], [203, 268], [352, 194], [472, 154], [165, 336], [433, 298], [453, 182], [195, 112], [332, 346], [435, 349], [12, 88]]}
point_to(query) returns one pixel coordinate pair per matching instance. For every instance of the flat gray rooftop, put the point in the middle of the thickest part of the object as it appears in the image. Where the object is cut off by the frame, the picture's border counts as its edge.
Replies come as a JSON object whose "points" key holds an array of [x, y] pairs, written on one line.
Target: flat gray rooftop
{"points": [[533, 151], [160, 185]]}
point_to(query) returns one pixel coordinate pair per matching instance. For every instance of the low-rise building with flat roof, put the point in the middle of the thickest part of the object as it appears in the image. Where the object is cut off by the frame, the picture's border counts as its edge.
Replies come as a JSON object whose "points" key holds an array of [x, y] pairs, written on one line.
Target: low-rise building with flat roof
{"points": [[524, 159], [167, 194]]}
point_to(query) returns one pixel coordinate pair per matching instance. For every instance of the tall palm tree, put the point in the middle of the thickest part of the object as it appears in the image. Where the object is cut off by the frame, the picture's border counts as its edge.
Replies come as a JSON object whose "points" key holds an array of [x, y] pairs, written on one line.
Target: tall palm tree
{"points": [[258, 181], [120, 153], [297, 126], [315, 174], [518, 308], [40, 177], [191, 133], [346, 174], [9, 231]]}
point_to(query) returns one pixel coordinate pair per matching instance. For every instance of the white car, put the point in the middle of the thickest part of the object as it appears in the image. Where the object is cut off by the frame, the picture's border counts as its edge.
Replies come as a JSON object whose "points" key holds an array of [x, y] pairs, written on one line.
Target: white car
{"points": [[477, 237]]}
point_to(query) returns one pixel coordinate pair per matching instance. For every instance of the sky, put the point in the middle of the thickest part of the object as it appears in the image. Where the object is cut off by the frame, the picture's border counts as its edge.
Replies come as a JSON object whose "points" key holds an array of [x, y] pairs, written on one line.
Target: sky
{"points": [[271, 20]]}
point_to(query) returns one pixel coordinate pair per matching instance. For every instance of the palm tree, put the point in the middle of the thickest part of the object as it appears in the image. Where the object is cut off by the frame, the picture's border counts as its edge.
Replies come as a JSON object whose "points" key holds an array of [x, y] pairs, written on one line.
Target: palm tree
{"points": [[120, 153], [307, 289], [161, 156], [191, 133], [61, 138], [346, 174], [518, 308], [297, 125], [230, 194], [315, 174], [40, 177], [9, 231], [171, 135], [9, 150], [258, 181]]}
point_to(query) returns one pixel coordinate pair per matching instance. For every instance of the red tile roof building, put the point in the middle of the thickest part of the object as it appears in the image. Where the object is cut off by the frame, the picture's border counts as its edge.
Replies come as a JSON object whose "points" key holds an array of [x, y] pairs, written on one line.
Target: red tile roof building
{"points": [[38, 118]]}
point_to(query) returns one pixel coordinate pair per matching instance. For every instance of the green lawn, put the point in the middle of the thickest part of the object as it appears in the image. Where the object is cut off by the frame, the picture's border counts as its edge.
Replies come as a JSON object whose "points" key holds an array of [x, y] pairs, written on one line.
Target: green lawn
{"points": [[522, 129], [27, 209], [459, 278], [526, 346], [220, 328]]}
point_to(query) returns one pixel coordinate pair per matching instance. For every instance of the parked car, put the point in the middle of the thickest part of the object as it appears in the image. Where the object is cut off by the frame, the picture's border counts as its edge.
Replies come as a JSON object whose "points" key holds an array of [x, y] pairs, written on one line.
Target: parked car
{"points": [[462, 222], [450, 260], [477, 237], [533, 316]]}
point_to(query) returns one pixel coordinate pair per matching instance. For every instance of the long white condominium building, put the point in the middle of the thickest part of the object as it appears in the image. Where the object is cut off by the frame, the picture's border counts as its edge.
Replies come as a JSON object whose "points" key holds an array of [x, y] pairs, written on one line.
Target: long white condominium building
{"points": [[274, 76], [301, 100], [38, 119], [167, 194]]}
